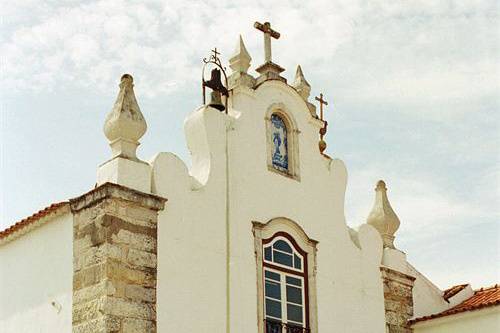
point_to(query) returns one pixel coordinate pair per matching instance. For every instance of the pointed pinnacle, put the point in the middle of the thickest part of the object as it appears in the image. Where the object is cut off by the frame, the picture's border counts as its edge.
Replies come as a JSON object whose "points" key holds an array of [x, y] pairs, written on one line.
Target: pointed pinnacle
{"points": [[125, 124], [301, 85], [382, 216], [242, 50], [299, 77], [240, 61]]}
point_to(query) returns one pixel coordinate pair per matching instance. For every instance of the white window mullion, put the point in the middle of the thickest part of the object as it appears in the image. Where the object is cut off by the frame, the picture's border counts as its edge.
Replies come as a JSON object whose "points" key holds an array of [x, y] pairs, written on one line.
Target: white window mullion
{"points": [[283, 298]]}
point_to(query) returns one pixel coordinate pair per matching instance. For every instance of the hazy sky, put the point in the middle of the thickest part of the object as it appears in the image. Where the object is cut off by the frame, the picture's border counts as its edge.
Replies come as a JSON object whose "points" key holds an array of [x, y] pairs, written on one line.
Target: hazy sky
{"points": [[413, 88]]}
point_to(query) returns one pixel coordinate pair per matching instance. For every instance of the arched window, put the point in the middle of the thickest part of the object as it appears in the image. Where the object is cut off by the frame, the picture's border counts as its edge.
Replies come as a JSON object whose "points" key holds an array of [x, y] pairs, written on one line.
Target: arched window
{"points": [[286, 277], [285, 285], [279, 139], [282, 141]]}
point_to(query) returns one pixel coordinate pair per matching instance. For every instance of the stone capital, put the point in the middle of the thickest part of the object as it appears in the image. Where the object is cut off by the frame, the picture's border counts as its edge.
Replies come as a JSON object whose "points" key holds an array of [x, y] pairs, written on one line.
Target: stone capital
{"points": [[269, 71], [115, 191], [389, 273]]}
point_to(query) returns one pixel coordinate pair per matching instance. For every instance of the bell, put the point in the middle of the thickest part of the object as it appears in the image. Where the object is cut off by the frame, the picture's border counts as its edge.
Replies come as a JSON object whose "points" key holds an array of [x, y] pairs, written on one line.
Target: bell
{"points": [[215, 82], [216, 100]]}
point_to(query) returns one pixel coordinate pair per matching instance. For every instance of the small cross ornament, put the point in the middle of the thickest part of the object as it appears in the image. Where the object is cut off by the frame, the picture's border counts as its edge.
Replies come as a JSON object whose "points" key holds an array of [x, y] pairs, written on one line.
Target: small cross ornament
{"points": [[216, 53], [322, 102], [322, 131]]}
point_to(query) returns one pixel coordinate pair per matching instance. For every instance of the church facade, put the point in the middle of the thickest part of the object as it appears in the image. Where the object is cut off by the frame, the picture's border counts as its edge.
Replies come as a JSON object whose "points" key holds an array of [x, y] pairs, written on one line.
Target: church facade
{"points": [[251, 238]]}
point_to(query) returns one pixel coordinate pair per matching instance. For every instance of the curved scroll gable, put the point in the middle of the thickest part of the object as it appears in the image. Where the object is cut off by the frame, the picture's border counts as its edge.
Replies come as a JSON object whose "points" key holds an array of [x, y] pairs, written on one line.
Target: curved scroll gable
{"points": [[206, 131], [170, 175]]}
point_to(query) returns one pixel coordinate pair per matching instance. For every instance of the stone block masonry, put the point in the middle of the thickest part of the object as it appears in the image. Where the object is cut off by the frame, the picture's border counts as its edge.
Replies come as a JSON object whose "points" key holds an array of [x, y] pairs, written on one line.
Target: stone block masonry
{"points": [[398, 297], [115, 260]]}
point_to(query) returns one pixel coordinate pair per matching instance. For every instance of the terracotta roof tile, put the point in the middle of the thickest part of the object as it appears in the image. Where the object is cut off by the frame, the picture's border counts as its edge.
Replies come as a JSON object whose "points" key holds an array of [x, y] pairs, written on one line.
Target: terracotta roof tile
{"points": [[450, 292], [31, 219], [482, 298]]}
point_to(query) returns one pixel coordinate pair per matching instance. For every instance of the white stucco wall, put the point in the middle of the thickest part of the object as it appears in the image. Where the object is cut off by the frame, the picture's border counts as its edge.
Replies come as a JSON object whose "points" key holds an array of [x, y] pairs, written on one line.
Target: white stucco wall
{"points": [[485, 320], [206, 202], [36, 270], [427, 297]]}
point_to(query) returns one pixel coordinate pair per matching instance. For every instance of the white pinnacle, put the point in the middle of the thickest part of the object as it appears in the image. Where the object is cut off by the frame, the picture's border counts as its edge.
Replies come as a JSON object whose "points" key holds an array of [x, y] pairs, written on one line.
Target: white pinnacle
{"points": [[383, 217], [301, 85], [125, 124], [240, 61]]}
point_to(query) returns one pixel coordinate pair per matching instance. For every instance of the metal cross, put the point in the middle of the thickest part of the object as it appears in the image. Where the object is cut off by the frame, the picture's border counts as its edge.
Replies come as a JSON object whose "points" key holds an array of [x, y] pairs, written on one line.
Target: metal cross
{"points": [[216, 53], [268, 33], [321, 103]]}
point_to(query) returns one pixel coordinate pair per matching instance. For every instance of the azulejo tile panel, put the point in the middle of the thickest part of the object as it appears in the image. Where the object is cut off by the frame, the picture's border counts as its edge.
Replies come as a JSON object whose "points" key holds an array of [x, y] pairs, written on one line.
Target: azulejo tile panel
{"points": [[279, 138]]}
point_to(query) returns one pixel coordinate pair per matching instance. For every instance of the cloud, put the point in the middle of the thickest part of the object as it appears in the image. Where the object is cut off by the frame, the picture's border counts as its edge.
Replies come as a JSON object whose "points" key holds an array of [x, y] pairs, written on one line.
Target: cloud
{"points": [[90, 45], [161, 43], [425, 207]]}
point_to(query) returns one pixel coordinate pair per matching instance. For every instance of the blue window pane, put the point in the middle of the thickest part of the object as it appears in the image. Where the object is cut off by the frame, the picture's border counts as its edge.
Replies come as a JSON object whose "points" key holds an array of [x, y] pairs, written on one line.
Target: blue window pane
{"points": [[280, 143], [283, 258], [272, 276], [294, 313], [294, 295], [273, 308], [283, 246], [294, 281], [268, 253], [273, 289], [297, 262]]}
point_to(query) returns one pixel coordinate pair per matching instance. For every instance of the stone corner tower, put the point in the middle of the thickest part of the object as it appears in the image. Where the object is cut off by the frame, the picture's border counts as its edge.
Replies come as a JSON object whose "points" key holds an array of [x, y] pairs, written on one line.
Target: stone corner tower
{"points": [[115, 233], [397, 282]]}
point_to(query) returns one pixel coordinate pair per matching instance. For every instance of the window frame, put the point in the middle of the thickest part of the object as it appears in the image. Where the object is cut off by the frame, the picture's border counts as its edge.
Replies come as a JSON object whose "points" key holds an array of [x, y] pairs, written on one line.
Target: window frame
{"points": [[284, 271], [265, 231]]}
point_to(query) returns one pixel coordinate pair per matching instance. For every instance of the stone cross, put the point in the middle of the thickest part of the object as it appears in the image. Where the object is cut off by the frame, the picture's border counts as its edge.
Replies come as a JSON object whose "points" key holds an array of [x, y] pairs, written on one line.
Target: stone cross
{"points": [[321, 103], [268, 33]]}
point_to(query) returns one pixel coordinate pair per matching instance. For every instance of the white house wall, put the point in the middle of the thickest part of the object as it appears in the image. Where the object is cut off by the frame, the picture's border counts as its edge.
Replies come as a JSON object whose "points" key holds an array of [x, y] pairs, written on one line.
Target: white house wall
{"points": [[36, 270], [485, 320], [191, 231]]}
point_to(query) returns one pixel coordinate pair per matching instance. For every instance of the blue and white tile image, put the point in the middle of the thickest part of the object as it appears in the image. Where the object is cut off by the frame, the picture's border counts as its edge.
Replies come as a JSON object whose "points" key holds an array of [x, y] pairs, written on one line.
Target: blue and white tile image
{"points": [[280, 143]]}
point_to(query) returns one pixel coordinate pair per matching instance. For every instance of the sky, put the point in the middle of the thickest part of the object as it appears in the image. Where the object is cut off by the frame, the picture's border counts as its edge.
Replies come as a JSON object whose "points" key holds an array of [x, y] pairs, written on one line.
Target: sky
{"points": [[413, 86]]}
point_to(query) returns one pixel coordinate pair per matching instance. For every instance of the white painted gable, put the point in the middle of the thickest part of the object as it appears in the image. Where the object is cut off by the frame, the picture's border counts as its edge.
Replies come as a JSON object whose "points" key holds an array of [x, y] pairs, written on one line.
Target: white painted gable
{"points": [[205, 234]]}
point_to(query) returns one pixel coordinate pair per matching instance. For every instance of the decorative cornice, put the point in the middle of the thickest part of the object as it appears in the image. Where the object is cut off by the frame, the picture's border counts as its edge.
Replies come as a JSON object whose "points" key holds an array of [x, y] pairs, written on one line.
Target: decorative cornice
{"points": [[111, 190]]}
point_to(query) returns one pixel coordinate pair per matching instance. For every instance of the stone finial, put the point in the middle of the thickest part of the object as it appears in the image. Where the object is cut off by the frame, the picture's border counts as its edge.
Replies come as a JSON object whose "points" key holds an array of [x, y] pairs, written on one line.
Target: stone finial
{"points": [[240, 61], [382, 216], [301, 85], [125, 124]]}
